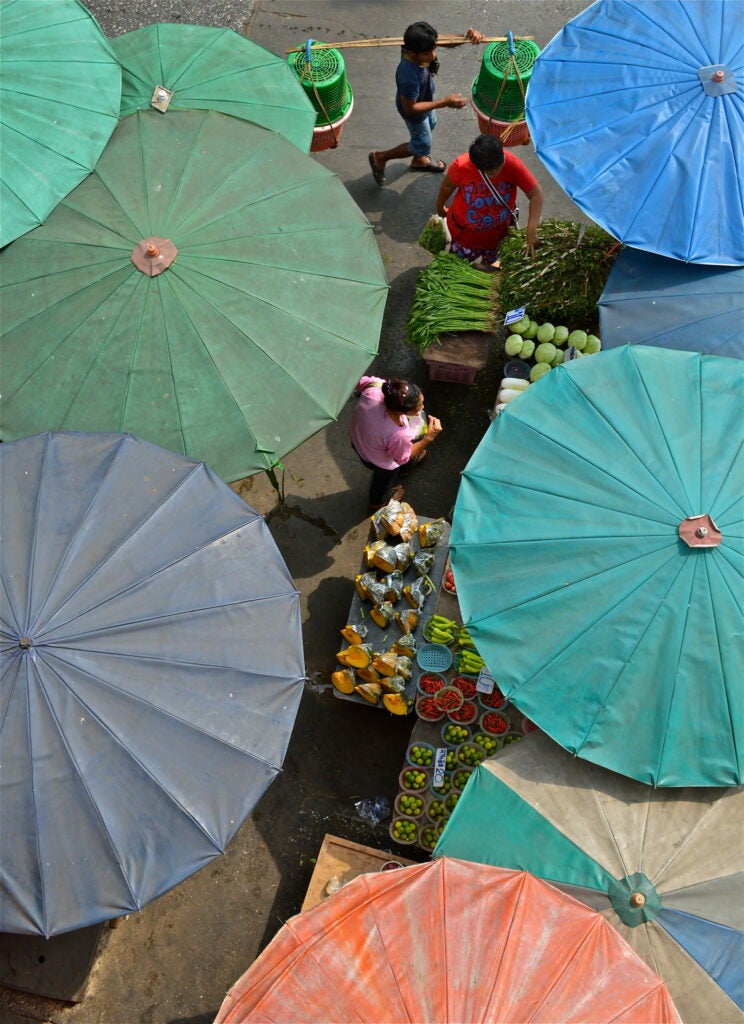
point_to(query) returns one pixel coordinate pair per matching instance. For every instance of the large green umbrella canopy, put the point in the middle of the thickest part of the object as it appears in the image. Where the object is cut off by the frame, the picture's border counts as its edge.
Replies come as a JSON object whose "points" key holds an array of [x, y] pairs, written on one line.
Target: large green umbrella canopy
{"points": [[60, 86], [243, 347], [601, 623], [665, 867], [213, 69]]}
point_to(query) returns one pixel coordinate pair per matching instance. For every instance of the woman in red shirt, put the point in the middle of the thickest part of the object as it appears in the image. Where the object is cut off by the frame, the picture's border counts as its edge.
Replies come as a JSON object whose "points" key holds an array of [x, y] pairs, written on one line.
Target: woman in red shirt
{"points": [[482, 211]]}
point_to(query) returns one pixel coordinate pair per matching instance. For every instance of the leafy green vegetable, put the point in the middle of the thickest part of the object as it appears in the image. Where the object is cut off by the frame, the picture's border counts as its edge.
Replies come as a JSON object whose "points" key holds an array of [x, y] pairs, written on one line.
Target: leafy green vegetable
{"points": [[433, 237], [451, 296], [564, 278]]}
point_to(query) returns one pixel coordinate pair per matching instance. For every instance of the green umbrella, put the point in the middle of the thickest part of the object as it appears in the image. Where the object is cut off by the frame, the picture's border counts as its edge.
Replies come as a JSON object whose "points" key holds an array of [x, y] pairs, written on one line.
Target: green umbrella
{"points": [[60, 86], [663, 866], [598, 551], [212, 69], [264, 306]]}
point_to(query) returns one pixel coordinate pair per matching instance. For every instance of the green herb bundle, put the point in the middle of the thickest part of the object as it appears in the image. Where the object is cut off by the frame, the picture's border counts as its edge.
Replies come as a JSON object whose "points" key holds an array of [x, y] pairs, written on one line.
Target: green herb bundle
{"points": [[565, 277], [433, 237], [451, 296]]}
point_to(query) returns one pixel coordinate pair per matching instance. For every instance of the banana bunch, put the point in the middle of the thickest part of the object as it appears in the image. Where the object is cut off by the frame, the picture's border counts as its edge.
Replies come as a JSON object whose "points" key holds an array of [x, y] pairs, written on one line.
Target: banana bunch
{"points": [[469, 662], [440, 630], [464, 639]]}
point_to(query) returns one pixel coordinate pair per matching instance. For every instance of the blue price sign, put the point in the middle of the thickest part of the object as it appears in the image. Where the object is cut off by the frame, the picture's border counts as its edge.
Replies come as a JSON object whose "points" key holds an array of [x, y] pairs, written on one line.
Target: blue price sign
{"points": [[514, 315]]}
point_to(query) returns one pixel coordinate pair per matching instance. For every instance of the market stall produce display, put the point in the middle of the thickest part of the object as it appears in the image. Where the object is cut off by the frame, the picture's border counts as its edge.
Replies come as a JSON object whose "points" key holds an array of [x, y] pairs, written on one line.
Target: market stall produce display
{"points": [[568, 271], [395, 592], [451, 296]]}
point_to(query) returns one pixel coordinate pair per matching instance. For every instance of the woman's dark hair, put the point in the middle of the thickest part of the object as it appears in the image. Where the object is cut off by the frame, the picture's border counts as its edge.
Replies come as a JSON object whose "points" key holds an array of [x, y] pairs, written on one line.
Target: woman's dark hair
{"points": [[487, 152], [420, 37], [400, 396]]}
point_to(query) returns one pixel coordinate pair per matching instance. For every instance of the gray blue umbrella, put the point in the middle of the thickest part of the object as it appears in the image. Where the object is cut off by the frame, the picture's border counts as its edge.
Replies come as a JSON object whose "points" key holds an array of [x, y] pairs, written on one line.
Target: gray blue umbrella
{"points": [[151, 670], [653, 300]]}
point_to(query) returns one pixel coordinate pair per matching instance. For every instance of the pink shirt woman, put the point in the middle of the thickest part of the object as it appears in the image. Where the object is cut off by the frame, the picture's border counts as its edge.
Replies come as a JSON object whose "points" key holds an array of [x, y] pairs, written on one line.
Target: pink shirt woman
{"points": [[382, 436]]}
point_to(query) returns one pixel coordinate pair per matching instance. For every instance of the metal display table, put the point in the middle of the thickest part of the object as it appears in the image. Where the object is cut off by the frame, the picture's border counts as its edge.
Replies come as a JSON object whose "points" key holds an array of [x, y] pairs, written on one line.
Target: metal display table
{"points": [[382, 639]]}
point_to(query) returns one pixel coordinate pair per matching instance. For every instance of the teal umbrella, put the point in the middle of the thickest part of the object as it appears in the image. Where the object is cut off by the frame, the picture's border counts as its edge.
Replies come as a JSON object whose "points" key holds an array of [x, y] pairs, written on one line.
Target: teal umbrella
{"points": [[240, 334], [60, 86], [598, 551], [664, 867], [189, 67]]}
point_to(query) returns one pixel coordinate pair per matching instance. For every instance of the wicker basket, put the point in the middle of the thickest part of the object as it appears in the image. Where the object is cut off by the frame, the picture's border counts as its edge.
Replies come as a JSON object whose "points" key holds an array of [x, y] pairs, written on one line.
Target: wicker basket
{"points": [[511, 133], [326, 136]]}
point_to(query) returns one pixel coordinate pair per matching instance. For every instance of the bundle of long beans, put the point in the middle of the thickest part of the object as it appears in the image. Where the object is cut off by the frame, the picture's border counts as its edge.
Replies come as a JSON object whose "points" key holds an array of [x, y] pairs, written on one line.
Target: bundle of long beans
{"points": [[564, 278], [451, 296]]}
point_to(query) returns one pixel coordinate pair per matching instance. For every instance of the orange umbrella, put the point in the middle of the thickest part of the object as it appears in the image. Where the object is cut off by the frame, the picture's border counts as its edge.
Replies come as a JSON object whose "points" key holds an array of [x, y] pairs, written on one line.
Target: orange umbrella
{"points": [[448, 941]]}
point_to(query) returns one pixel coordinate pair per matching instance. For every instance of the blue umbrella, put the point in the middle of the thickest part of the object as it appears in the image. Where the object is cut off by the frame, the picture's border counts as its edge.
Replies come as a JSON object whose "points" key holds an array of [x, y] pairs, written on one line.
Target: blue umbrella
{"points": [[151, 671], [637, 109], [652, 300]]}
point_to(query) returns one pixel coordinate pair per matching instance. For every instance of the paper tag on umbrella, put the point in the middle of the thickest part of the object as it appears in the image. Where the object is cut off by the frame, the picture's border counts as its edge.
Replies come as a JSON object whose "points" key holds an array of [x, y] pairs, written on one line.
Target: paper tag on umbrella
{"points": [[486, 682], [440, 764]]}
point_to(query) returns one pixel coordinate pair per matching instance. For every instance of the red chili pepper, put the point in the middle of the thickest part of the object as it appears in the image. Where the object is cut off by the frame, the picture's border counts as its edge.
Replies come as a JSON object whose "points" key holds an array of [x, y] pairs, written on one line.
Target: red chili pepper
{"points": [[427, 708], [431, 683], [465, 685], [494, 723], [494, 699], [448, 699], [466, 713]]}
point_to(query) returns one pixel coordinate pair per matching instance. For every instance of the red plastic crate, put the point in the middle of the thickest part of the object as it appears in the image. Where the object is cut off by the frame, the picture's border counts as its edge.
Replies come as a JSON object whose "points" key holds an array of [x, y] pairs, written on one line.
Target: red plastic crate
{"points": [[451, 373]]}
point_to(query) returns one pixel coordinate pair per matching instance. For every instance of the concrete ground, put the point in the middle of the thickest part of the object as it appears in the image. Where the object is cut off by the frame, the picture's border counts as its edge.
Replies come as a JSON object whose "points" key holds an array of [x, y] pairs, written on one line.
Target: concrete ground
{"points": [[174, 961]]}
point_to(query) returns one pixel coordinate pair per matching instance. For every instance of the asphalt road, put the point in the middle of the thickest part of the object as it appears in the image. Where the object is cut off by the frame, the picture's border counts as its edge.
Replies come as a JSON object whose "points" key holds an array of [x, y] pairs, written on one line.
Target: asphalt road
{"points": [[174, 961]]}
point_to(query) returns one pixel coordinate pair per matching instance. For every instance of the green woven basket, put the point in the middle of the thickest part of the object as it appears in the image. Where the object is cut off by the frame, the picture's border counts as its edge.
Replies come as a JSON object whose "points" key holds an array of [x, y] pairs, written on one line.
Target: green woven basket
{"points": [[496, 90], [324, 81]]}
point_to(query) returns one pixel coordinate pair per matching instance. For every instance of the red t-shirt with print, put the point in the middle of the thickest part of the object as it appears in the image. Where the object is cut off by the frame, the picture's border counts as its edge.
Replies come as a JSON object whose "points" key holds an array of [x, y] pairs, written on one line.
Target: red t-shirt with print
{"points": [[475, 218]]}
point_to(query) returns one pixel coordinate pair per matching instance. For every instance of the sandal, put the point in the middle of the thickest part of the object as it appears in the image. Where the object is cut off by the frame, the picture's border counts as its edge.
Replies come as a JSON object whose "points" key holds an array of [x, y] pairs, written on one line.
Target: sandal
{"points": [[377, 173], [431, 168]]}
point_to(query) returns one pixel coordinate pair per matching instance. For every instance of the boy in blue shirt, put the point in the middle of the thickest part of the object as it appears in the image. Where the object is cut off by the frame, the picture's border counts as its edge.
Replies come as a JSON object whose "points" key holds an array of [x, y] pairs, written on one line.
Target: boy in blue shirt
{"points": [[414, 100]]}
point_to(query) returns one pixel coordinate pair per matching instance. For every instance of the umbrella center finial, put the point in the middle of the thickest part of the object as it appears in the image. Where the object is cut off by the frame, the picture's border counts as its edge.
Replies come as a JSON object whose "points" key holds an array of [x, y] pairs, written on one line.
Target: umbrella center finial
{"points": [[154, 255], [160, 98], [25, 642], [700, 532], [634, 899]]}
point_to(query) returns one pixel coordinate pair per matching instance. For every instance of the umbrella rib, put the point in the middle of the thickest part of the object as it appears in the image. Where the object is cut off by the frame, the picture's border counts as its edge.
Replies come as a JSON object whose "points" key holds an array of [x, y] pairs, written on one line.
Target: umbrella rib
{"points": [[648, 44], [99, 681], [629, 657], [600, 173], [35, 519], [569, 961], [692, 123], [18, 95], [146, 771], [195, 55], [138, 526], [29, 377], [9, 610], [268, 355], [592, 626], [84, 786], [62, 642], [65, 554], [595, 465], [602, 813], [689, 837], [37, 840], [49, 149]]}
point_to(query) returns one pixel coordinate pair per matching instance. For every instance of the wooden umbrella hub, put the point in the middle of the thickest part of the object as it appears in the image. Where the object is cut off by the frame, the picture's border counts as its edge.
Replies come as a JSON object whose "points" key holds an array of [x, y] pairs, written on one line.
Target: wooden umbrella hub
{"points": [[700, 532], [154, 255]]}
